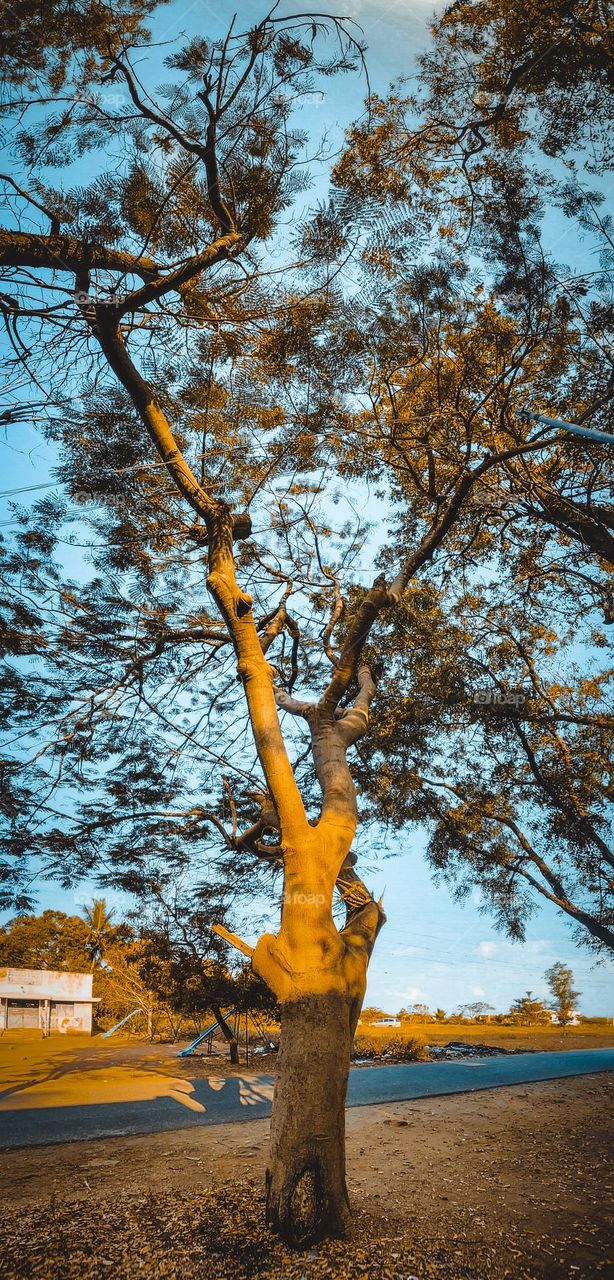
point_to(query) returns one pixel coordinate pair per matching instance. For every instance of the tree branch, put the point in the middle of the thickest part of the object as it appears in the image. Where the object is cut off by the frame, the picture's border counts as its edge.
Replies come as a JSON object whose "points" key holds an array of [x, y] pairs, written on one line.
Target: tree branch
{"points": [[233, 939], [293, 706], [257, 677], [219, 251], [157, 424], [67, 253], [354, 721]]}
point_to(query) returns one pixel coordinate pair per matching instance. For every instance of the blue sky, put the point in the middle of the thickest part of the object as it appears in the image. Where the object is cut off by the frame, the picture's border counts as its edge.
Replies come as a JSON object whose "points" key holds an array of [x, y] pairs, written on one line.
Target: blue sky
{"points": [[432, 950], [435, 951]]}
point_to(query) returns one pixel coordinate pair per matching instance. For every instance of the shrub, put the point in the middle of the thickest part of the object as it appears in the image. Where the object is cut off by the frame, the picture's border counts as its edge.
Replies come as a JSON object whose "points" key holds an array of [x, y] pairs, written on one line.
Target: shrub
{"points": [[406, 1049]]}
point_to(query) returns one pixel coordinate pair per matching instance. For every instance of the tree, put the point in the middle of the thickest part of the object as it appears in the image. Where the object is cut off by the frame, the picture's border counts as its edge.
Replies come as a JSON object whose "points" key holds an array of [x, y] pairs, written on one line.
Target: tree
{"points": [[212, 396], [560, 980], [188, 233], [182, 966], [477, 1009], [99, 921], [52, 940], [372, 1014], [419, 1012], [526, 1009], [440, 1015], [124, 987]]}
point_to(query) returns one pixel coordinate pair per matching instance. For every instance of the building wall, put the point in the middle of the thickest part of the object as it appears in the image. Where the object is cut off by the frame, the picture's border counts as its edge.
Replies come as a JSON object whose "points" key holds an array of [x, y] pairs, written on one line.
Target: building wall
{"points": [[58, 985], [70, 1016], [45, 999]]}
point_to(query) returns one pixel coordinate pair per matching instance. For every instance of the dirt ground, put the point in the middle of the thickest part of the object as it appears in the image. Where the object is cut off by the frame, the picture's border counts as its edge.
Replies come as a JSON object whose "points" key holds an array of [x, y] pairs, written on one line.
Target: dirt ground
{"points": [[125, 1068], [513, 1184], [67, 1071]]}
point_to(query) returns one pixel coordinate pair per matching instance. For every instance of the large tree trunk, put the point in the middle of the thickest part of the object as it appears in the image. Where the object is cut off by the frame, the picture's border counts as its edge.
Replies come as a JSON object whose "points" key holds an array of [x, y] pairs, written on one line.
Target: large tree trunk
{"points": [[318, 973], [306, 1192]]}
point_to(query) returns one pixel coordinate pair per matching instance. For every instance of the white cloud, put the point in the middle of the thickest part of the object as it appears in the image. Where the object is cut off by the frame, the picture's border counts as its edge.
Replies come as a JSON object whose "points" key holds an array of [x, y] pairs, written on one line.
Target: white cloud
{"points": [[514, 951], [407, 19], [376, 11], [413, 995]]}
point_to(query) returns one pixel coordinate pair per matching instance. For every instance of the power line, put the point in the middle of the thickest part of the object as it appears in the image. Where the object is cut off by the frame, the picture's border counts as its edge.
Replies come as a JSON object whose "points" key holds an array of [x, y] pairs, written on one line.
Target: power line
{"points": [[521, 965]]}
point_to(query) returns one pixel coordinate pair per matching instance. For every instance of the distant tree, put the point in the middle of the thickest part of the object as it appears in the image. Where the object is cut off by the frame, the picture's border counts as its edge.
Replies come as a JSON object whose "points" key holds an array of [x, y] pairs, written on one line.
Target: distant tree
{"points": [[440, 1015], [52, 940], [527, 1009], [418, 1012], [193, 983], [371, 1014], [124, 985], [99, 923], [477, 1009], [187, 960], [560, 980]]}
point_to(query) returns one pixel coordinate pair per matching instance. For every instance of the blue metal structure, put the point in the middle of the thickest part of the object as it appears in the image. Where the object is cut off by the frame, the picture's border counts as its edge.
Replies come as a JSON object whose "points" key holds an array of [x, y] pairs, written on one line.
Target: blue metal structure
{"points": [[208, 1034], [589, 433], [106, 1034], [204, 1035]]}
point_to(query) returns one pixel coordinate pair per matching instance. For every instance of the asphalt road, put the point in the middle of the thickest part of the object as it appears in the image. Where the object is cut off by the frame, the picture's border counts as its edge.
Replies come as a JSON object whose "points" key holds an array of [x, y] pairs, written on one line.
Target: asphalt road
{"points": [[218, 1100]]}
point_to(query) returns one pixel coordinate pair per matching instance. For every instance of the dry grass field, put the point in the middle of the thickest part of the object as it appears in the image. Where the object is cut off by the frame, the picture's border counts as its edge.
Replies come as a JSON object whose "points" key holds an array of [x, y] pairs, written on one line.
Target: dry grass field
{"points": [[596, 1034]]}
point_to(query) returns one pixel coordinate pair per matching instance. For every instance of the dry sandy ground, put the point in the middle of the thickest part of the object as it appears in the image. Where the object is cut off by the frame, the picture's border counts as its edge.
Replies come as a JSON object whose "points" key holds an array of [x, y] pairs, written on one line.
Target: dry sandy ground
{"points": [[88, 1068], [508, 1183]]}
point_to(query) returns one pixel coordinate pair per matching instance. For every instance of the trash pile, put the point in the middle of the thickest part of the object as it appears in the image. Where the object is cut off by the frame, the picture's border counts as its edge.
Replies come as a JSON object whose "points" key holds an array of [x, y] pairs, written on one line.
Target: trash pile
{"points": [[460, 1049], [368, 1052]]}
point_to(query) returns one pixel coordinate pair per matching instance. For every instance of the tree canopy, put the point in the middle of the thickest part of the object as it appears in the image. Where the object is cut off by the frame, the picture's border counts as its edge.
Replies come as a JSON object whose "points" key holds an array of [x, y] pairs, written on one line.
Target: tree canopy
{"points": [[560, 981], [52, 940], [299, 400]]}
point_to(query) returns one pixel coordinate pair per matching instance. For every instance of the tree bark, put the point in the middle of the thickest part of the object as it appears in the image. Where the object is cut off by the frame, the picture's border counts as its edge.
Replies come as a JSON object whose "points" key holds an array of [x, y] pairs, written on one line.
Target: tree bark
{"points": [[306, 1191], [227, 1034], [319, 975]]}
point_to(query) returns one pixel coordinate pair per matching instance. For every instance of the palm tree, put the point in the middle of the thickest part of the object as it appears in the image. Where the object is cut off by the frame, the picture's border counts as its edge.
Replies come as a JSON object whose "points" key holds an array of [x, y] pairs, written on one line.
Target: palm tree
{"points": [[99, 920]]}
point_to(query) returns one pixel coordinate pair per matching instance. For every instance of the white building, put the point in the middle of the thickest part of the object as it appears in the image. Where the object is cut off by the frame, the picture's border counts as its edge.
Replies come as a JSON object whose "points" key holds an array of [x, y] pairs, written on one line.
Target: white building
{"points": [[47, 999], [572, 1021]]}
